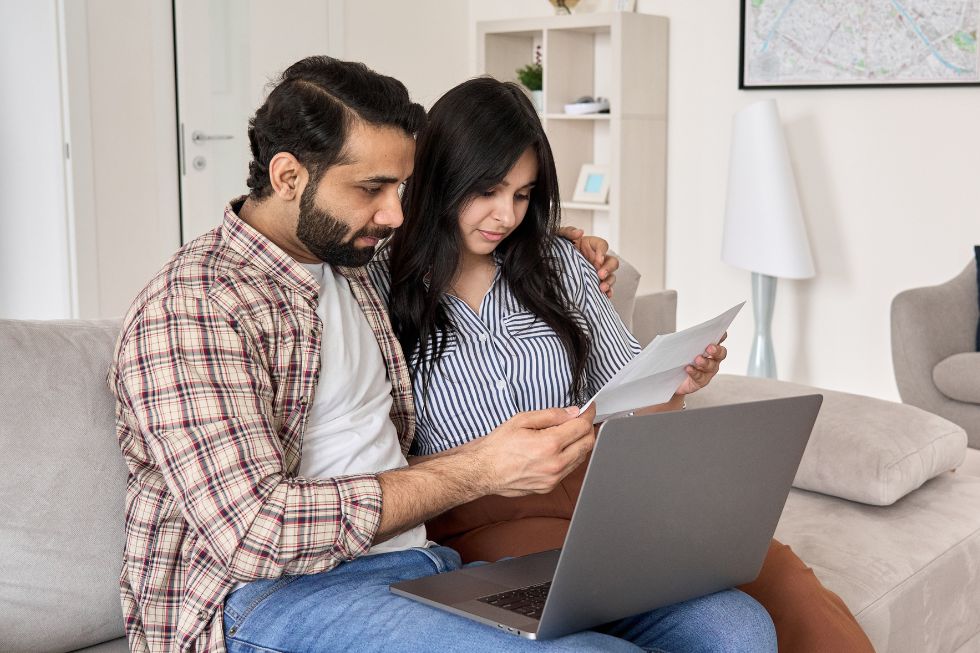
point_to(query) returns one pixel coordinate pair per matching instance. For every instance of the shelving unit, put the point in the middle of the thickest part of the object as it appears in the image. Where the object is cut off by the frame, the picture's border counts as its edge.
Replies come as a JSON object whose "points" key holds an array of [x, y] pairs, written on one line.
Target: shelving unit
{"points": [[622, 57]]}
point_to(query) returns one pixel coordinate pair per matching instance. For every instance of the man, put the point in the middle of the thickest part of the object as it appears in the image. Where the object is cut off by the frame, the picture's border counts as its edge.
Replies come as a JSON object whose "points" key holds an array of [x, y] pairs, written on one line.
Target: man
{"points": [[264, 409]]}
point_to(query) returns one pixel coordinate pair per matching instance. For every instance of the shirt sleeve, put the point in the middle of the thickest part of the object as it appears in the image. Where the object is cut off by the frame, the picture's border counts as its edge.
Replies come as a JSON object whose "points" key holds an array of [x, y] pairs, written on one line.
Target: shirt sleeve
{"points": [[611, 345], [195, 388]]}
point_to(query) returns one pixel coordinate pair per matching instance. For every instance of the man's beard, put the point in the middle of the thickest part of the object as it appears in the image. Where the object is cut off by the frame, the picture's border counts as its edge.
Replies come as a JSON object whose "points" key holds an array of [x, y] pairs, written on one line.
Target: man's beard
{"points": [[325, 235]]}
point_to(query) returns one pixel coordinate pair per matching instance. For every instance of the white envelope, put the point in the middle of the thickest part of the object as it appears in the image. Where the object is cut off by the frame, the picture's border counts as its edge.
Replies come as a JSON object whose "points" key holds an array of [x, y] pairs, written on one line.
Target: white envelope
{"points": [[656, 372]]}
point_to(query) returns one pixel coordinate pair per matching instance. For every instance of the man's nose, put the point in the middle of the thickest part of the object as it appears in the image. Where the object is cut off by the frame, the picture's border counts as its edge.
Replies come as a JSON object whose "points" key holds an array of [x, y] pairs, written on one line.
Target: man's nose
{"points": [[390, 215]]}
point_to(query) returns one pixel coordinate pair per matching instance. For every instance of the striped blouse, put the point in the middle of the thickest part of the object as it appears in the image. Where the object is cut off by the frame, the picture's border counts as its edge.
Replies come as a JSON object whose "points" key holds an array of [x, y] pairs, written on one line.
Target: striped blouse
{"points": [[505, 360]]}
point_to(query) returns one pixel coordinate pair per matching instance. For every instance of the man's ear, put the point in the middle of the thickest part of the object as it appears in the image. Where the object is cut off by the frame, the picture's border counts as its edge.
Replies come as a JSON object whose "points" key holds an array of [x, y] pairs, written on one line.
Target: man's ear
{"points": [[287, 176]]}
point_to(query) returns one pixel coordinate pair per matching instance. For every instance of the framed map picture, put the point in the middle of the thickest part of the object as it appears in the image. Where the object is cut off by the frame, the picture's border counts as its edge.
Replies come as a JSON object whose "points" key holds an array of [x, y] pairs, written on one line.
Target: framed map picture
{"points": [[846, 43]]}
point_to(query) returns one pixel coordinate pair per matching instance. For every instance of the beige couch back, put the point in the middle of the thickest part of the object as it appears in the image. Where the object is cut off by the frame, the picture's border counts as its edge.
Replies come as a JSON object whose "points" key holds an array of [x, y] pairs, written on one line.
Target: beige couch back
{"points": [[62, 487]]}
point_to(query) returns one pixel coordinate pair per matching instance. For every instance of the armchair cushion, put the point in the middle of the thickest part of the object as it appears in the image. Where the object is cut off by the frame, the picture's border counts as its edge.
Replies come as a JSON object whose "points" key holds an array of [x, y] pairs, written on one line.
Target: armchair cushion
{"points": [[862, 449], [958, 377]]}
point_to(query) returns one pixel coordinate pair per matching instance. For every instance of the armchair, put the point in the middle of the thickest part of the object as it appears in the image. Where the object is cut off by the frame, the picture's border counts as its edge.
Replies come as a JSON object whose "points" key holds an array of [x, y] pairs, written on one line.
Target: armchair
{"points": [[933, 351]]}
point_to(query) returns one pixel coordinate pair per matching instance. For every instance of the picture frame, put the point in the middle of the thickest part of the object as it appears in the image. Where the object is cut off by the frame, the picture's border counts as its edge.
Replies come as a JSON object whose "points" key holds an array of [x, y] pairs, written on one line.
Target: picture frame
{"points": [[792, 44], [592, 185]]}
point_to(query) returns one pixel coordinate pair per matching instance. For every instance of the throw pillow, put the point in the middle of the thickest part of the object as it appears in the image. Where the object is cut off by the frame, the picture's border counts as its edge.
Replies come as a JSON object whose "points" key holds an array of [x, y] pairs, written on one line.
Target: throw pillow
{"points": [[862, 449]]}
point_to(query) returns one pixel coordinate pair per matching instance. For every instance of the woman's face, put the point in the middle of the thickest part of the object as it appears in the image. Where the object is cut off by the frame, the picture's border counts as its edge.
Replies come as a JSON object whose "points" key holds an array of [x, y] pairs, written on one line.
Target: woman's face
{"points": [[493, 215]]}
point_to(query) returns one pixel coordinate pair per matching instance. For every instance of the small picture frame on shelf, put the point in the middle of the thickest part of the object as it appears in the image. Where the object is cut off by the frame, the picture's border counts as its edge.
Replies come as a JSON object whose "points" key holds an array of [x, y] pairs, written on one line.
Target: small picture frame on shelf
{"points": [[592, 185]]}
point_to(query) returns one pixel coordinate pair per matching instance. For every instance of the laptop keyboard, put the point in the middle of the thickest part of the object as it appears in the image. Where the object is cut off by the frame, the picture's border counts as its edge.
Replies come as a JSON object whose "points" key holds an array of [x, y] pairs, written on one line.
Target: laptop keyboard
{"points": [[528, 601]]}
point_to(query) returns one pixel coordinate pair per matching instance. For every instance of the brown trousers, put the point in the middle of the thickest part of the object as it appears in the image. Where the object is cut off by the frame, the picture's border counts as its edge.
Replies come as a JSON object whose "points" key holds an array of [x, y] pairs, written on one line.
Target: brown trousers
{"points": [[809, 618]]}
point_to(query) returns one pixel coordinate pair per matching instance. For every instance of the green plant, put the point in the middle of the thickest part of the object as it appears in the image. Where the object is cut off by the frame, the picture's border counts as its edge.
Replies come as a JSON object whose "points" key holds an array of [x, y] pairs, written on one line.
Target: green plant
{"points": [[530, 76]]}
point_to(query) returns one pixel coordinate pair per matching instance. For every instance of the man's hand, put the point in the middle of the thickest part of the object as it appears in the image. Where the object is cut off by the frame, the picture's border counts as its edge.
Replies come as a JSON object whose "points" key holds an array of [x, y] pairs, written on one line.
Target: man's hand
{"points": [[704, 368], [595, 250], [532, 452], [529, 453]]}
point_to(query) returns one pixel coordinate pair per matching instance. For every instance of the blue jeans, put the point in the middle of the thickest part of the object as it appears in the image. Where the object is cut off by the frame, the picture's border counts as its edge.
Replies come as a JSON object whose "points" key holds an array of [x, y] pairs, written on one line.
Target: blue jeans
{"points": [[350, 608]]}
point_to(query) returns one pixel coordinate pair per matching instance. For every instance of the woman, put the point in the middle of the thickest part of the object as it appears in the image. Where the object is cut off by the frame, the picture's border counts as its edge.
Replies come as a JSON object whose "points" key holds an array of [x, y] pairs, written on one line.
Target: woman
{"points": [[488, 303]]}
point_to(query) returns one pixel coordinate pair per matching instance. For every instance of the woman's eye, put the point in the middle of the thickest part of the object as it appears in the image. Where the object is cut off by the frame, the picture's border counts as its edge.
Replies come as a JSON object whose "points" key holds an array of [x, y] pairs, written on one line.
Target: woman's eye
{"points": [[488, 193], [522, 197]]}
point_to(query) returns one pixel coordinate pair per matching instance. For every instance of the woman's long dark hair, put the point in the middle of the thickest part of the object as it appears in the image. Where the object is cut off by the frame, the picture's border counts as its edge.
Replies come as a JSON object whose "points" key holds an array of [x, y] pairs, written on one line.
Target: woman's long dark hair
{"points": [[475, 134]]}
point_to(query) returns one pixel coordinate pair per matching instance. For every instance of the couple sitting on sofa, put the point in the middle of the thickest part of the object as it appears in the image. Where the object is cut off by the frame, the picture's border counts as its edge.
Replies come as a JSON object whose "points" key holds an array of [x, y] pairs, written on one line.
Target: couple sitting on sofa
{"points": [[265, 407]]}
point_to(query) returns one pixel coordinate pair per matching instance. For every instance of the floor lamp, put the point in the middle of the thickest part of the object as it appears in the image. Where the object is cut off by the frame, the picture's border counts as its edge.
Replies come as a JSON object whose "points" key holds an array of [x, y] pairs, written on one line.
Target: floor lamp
{"points": [[764, 230]]}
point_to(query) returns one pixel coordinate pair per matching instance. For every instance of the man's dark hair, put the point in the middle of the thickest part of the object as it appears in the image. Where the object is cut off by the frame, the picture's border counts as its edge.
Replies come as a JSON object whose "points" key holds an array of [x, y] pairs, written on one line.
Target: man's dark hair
{"points": [[311, 110]]}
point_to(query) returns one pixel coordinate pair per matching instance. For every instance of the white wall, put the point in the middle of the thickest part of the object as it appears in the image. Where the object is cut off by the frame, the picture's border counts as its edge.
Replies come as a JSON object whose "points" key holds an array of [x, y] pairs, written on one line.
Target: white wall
{"points": [[887, 178], [34, 251], [81, 242], [888, 183], [424, 43]]}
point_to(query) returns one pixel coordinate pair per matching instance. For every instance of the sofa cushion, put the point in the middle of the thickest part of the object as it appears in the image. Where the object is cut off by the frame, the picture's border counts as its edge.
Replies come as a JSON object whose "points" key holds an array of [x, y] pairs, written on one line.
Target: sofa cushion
{"points": [[910, 572], [863, 449], [958, 377], [62, 487]]}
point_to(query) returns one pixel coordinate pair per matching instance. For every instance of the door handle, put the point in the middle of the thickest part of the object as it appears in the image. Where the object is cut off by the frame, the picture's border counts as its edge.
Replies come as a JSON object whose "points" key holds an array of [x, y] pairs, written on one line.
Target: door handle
{"points": [[199, 138]]}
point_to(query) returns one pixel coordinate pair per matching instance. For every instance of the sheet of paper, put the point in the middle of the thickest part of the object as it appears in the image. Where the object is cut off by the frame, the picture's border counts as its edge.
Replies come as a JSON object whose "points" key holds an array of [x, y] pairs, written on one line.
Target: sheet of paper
{"points": [[657, 371]]}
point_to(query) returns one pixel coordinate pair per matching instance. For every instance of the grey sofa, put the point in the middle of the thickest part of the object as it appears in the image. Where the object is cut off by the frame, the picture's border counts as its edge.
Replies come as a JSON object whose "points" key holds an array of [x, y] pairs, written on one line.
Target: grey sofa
{"points": [[910, 570], [937, 367]]}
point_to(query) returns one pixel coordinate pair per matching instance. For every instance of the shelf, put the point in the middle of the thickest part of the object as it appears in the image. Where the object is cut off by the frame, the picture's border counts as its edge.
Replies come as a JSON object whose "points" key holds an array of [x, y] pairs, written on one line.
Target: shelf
{"points": [[569, 116], [621, 56], [585, 206]]}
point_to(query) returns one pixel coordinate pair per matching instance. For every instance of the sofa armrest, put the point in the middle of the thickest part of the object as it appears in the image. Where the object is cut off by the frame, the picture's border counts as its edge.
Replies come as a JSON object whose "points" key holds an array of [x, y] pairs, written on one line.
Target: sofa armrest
{"points": [[862, 449], [653, 314]]}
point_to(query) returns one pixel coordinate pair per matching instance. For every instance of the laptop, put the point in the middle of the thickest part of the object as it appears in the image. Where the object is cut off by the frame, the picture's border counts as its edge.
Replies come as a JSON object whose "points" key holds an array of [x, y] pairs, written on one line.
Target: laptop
{"points": [[674, 506]]}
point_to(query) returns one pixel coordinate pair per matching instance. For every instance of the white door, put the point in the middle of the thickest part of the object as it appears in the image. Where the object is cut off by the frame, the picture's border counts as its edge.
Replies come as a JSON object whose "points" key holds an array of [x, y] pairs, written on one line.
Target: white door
{"points": [[228, 51]]}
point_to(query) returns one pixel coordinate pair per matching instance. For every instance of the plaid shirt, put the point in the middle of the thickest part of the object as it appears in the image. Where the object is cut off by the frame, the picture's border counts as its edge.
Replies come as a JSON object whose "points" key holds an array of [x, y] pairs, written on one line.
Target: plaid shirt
{"points": [[214, 373]]}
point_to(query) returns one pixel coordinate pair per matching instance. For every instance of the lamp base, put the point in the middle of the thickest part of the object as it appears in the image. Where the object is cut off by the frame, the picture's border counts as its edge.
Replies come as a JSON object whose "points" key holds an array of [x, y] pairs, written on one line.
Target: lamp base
{"points": [[762, 360]]}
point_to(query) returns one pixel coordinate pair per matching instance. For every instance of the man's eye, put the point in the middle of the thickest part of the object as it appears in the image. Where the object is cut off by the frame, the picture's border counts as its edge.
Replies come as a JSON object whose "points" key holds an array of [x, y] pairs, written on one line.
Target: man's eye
{"points": [[371, 190]]}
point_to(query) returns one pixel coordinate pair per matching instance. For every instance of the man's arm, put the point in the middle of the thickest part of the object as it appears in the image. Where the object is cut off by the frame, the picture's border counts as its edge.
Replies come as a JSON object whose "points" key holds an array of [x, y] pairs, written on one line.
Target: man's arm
{"points": [[530, 453], [201, 401], [198, 400]]}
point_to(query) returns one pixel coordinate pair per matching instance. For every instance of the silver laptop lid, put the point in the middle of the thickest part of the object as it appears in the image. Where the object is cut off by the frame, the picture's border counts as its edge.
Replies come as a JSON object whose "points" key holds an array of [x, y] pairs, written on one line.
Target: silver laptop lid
{"points": [[702, 488]]}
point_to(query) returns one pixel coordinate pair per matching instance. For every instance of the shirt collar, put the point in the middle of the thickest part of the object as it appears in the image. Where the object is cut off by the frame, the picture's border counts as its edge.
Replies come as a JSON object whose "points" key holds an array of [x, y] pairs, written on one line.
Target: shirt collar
{"points": [[262, 253]]}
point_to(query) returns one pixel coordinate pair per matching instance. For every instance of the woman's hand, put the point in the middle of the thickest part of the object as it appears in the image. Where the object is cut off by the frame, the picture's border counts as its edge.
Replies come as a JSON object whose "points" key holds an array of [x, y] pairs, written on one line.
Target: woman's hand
{"points": [[704, 368], [594, 249]]}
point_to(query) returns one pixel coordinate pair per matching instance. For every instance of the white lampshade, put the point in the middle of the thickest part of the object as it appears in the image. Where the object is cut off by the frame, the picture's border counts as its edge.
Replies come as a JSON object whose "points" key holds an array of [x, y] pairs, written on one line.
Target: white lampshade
{"points": [[764, 230]]}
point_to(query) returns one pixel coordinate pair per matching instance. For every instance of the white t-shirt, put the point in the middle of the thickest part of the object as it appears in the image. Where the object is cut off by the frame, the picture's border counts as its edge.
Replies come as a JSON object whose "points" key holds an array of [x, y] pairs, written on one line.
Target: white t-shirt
{"points": [[349, 430]]}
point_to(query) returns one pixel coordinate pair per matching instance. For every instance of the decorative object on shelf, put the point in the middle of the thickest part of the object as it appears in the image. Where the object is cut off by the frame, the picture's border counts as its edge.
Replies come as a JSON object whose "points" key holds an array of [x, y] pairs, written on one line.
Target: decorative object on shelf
{"points": [[592, 185], [587, 104], [563, 7], [625, 5], [860, 43], [764, 231], [531, 76]]}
